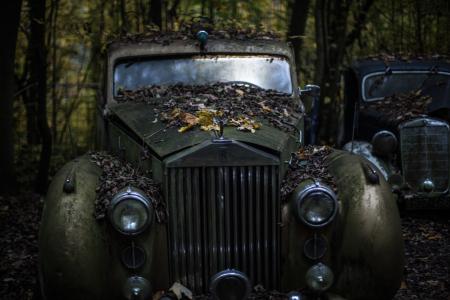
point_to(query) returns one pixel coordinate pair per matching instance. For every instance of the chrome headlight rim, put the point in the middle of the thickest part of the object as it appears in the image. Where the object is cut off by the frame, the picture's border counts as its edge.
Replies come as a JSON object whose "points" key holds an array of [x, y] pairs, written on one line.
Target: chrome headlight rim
{"points": [[316, 187], [131, 194], [376, 140]]}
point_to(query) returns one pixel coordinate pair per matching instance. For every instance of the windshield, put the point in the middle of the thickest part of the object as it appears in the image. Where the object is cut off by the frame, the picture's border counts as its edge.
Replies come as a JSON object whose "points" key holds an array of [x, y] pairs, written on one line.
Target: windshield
{"points": [[267, 72], [376, 86]]}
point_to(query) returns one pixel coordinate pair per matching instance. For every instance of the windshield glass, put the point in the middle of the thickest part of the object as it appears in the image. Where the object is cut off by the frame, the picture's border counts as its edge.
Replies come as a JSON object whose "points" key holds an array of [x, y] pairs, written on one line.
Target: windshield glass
{"points": [[267, 72], [379, 85]]}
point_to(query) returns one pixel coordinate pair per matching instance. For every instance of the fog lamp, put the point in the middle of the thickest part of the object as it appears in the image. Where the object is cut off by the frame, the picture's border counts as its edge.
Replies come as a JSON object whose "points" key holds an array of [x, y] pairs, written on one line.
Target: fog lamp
{"points": [[202, 37], [319, 277], [427, 185], [133, 257], [315, 205], [137, 287], [294, 295], [384, 143], [130, 211], [315, 247], [230, 284]]}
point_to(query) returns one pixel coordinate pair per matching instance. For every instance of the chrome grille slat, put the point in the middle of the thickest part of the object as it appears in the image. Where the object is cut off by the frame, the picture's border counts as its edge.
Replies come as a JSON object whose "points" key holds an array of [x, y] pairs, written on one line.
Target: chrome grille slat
{"points": [[235, 185], [212, 221], [276, 218], [223, 217], [197, 230], [190, 227], [220, 206], [266, 224], [425, 153], [250, 214], [228, 228], [258, 227], [181, 220]]}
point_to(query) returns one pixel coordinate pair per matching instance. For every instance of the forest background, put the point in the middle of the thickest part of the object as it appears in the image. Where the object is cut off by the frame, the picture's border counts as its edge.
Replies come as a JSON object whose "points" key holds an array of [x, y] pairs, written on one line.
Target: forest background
{"points": [[51, 60]]}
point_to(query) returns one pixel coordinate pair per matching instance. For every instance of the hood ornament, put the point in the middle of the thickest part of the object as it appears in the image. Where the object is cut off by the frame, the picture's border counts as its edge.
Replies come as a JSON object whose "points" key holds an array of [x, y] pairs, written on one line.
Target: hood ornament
{"points": [[202, 37], [221, 122]]}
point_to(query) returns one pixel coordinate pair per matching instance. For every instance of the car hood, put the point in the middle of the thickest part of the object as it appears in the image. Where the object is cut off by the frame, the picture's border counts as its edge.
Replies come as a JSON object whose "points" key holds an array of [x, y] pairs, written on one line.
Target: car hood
{"points": [[140, 121]]}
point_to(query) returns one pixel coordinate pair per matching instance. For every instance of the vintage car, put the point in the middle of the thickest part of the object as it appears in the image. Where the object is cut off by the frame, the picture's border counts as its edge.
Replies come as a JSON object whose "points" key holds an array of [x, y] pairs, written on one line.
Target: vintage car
{"points": [[397, 116], [221, 228]]}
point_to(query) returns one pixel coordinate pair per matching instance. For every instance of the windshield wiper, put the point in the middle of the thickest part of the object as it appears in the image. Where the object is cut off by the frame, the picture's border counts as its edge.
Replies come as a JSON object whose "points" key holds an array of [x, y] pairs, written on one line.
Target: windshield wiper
{"points": [[238, 82], [379, 81]]}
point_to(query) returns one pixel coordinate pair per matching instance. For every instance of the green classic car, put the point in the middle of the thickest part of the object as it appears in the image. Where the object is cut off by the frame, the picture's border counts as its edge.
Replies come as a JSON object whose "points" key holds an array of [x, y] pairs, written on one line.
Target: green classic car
{"points": [[228, 208]]}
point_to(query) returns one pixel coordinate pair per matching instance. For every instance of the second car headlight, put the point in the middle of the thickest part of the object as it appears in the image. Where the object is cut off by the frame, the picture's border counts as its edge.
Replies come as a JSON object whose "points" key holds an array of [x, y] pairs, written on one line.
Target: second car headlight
{"points": [[130, 211], [315, 205]]}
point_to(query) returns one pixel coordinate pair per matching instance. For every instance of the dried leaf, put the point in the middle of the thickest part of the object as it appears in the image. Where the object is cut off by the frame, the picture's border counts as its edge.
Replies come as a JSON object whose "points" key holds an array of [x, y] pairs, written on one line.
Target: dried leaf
{"points": [[230, 101]]}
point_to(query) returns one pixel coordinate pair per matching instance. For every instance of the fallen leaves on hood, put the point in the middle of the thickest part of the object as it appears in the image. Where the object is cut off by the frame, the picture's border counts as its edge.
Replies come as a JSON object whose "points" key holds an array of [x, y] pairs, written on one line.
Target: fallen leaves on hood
{"points": [[308, 162], [240, 105], [401, 107], [118, 174]]}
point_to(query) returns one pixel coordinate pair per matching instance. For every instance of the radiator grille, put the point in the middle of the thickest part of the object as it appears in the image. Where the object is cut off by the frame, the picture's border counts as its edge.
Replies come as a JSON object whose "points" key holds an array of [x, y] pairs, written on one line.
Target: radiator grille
{"points": [[425, 154], [223, 217]]}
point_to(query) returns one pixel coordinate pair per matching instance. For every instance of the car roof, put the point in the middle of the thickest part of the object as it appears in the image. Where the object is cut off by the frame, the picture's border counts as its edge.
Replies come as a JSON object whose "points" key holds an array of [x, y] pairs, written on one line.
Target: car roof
{"points": [[367, 66], [122, 49]]}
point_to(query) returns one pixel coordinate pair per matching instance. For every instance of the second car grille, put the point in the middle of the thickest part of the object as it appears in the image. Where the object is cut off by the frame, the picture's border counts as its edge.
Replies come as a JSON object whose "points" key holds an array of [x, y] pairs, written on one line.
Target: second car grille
{"points": [[223, 217], [425, 153]]}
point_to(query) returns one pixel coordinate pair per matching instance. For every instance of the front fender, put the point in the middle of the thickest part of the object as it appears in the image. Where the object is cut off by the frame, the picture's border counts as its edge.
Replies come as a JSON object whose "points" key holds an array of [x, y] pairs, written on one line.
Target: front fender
{"points": [[73, 255], [365, 247], [368, 244]]}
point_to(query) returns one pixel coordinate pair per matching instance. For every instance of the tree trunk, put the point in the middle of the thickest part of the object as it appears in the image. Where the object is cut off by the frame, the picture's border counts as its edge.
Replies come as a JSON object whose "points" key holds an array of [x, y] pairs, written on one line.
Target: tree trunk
{"points": [[172, 13], [10, 14], [124, 16], [333, 41], [38, 75], [53, 22], [155, 12], [211, 10], [297, 27], [418, 27]]}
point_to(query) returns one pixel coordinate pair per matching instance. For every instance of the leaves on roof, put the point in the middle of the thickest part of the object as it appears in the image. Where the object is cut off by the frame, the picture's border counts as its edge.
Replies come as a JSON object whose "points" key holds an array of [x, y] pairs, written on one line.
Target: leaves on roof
{"points": [[188, 31]]}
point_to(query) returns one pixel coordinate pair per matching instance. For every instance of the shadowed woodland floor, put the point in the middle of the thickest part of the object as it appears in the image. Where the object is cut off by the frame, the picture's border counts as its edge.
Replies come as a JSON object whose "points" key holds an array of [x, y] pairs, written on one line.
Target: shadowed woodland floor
{"points": [[427, 250]]}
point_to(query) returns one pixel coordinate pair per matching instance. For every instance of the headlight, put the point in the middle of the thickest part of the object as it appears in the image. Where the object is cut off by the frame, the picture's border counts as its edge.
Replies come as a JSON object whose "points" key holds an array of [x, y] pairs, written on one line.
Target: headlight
{"points": [[130, 211], [319, 277], [315, 205], [384, 143]]}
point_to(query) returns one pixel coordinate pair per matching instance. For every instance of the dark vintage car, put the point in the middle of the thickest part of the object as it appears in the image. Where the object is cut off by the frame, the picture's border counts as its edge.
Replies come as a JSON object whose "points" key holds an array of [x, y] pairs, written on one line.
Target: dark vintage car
{"points": [[397, 116], [227, 233]]}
